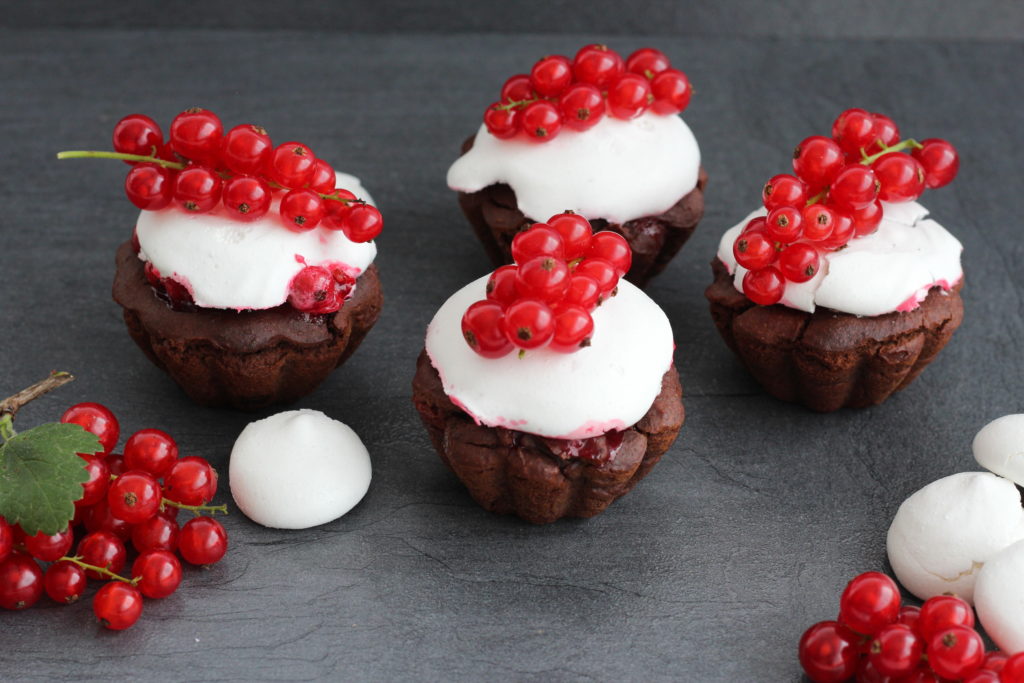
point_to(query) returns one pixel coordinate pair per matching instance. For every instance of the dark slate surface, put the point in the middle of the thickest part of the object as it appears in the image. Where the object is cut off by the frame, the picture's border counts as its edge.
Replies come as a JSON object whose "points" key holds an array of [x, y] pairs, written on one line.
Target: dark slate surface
{"points": [[710, 570]]}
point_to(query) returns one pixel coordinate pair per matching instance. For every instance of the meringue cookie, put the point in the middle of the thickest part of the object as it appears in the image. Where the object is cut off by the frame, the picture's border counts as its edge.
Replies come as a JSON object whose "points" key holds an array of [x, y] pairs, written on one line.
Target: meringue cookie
{"points": [[999, 447], [298, 469], [944, 533], [999, 598]]}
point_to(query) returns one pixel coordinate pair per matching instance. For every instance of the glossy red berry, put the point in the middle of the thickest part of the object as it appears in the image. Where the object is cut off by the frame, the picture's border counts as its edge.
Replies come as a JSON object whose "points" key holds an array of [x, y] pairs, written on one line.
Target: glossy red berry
{"points": [[575, 231], [603, 272], [540, 120], [64, 582], [149, 186], [302, 210], [49, 548], [95, 489], [97, 419], [191, 481], [799, 262], [908, 616], [156, 533], [247, 198], [550, 76], [202, 541], [529, 323], [197, 189], [896, 650], [854, 129], [583, 291], [21, 582], [484, 331], [597, 65], [6, 539], [629, 96], [943, 612], [754, 250], [1013, 669], [543, 277], [117, 605], [115, 463], [362, 223], [817, 160], [582, 106], [647, 62], [842, 229], [159, 573], [672, 91], [900, 177], [784, 224], [818, 221], [245, 149], [956, 652], [134, 496], [539, 239], [517, 88], [312, 291], [323, 180], [784, 190], [98, 517], [337, 207], [573, 328], [854, 188], [764, 286], [137, 134], [866, 220], [886, 133], [290, 165], [870, 602], [501, 286], [150, 450], [102, 549], [982, 676], [755, 224], [613, 248], [828, 652], [939, 160], [196, 135], [501, 122]]}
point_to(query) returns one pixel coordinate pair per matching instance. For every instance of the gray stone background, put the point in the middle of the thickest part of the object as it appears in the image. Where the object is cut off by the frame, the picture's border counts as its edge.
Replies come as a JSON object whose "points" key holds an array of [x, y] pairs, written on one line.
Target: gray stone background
{"points": [[751, 525]]}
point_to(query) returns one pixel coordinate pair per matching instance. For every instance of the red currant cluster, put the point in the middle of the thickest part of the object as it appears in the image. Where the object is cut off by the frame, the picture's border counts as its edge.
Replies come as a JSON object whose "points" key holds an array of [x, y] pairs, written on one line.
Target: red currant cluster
{"points": [[878, 639], [200, 166], [562, 272], [577, 93], [835, 196], [122, 500]]}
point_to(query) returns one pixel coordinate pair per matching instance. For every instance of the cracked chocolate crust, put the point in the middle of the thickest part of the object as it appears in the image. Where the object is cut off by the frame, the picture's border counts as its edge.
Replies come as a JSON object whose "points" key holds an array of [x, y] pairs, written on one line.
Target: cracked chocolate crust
{"points": [[828, 360], [496, 218], [537, 478], [245, 360]]}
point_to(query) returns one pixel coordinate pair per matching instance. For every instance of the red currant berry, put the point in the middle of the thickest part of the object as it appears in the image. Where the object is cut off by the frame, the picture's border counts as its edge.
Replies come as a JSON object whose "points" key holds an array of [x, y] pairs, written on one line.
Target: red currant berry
{"points": [[156, 533], [159, 572], [191, 481], [197, 189], [117, 605], [134, 496], [854, 188], [940, 161], [312, 291], [502, 122], [6, 539], [1013, 669], [529, 323], [583, 291], [982, 676], [336, 208], [784, 190], [290, 165], [64, 582], [818, 221], [995, 660], [484, 331], [900, 177], [909, 614], [99, 518], [784, 224], [97, 419], [854, 129], [21, 582], [799, 262], [597, 65], [754, 224], [886, 133], [753, 250], [324, 179], [49, 548], [245, 149], [540, 120], [150, 450], [818, 160], [603, 272], [501, 286], [896, 650], [137, 134], [551, 75], [647, 62], [362, 223], [943, 612], [612, 247], [671, 90], [302, 210], [543, 277], [149, 186], [202, 541], [582, 106], [629, 96], [196, 135], [247, 198], [115, 463], [828, 652], [842, 229], [95, 489], [573, 327], [866, 220], [517, 88], [870, 602], [764, 286], [575, 231], [102, 549], [956, 652], [539, 239]]}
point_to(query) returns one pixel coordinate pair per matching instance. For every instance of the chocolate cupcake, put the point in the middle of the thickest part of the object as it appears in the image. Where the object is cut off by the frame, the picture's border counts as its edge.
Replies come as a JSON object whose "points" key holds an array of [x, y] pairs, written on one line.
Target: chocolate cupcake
{"points": [[630, 167], [544, 404]]}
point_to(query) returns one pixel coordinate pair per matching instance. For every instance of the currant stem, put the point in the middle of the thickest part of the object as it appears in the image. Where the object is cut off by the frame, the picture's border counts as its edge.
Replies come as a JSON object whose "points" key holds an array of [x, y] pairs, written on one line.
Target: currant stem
{"points": [[818, 197], [102, 571], [95, 154], [197, 510], [10, 406], [516, 104], [909, 143]]}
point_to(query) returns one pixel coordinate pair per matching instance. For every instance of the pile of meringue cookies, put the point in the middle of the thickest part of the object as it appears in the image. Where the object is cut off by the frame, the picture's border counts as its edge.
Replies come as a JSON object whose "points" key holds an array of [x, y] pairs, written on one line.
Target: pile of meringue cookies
{"points": [[964, 534]]}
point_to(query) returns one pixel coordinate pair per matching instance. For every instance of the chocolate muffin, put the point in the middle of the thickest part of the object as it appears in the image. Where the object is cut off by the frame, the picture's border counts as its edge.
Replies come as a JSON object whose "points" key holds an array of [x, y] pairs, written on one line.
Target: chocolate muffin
{"points": [[249, 359], [542, 479], [829, 360]]}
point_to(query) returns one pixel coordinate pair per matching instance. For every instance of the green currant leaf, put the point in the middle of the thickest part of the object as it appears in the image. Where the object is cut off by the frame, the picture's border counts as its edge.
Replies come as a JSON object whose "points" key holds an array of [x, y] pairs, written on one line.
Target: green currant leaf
{"points": [[41, 476]]}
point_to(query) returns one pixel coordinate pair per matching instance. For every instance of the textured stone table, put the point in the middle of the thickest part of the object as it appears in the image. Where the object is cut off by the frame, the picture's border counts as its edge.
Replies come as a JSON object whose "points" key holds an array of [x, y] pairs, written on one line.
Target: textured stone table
{"points": [[744, 534]]}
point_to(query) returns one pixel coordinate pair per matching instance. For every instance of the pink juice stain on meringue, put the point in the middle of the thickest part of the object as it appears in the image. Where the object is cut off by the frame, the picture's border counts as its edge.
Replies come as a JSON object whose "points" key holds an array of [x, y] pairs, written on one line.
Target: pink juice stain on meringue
{"points": [[920, 295]]}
